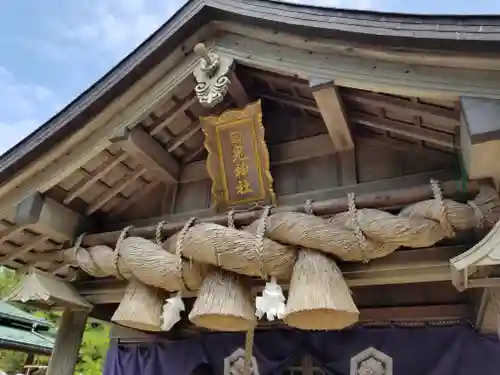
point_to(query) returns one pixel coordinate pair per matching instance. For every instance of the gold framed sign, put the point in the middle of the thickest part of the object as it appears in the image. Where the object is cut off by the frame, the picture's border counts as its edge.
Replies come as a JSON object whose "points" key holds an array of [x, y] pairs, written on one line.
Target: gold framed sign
{"points": [[238, 159]]}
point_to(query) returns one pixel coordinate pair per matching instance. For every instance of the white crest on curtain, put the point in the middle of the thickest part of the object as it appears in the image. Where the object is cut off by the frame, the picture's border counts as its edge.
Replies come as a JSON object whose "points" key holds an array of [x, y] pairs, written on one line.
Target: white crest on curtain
{"points": [[271, 303], [371, 362], [235, 363]]}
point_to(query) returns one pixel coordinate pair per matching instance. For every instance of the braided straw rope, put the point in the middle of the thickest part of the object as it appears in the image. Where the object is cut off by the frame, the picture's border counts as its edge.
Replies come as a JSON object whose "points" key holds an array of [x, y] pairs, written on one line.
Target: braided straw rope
{"points": [[97, 261], [360, 235], [318, 297], [355, 235], [234, 250], [225, 302]]}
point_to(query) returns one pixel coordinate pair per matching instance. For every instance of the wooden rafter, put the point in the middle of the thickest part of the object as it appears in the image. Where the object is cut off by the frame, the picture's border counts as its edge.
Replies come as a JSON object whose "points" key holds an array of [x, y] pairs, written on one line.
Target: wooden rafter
{"points": [[332, 111], [291, 100], [24, 249], [150, 154], [397, 127], [166, 119], [137, 195], [87, 182], [411, 106], [118, 188], [183, 136]]}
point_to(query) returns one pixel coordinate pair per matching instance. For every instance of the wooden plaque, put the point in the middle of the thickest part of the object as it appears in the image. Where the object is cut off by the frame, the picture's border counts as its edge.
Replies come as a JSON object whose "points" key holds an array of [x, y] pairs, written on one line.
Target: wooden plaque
{"points": [[238, 159]]}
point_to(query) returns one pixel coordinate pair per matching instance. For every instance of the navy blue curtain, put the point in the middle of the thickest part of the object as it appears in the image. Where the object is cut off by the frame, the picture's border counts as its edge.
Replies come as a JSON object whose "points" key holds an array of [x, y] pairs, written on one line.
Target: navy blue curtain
{"points": [[457, 350]]}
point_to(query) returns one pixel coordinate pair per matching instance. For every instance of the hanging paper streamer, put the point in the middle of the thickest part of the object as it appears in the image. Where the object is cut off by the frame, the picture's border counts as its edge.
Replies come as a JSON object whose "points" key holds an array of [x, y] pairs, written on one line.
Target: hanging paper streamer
{"points": [[172, 312], [272, 302]]}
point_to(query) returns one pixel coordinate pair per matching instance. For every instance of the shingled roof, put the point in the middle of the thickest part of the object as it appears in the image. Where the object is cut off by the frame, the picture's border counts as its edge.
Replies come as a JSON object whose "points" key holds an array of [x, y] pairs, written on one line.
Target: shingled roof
{"points": [[474, 35]]}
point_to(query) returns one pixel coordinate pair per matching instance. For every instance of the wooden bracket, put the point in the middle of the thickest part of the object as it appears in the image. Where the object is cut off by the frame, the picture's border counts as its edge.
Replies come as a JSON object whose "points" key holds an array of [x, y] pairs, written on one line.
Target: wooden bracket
{"points": [[332, 110], [149, 153], [48, 217]]}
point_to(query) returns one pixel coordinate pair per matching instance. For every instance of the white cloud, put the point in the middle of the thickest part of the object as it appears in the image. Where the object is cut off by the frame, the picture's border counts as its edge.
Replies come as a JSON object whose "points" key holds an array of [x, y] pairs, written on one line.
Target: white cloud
{"points": [[23, 105], [115, 27]]}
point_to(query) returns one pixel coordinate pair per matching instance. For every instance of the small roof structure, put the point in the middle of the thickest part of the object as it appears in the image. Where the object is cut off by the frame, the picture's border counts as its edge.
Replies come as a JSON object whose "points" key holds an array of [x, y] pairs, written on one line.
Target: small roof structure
{"points": [[21, 331]]}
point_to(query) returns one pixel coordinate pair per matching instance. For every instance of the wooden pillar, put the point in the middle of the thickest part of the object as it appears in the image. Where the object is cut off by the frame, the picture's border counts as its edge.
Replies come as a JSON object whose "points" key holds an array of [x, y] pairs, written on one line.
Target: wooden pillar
{"points": [[69, 337], [30, 359]]}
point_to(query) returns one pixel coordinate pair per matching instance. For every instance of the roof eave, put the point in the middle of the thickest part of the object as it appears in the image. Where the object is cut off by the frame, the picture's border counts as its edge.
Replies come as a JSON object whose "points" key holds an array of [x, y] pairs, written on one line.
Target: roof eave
{"points": [[197, 13]]}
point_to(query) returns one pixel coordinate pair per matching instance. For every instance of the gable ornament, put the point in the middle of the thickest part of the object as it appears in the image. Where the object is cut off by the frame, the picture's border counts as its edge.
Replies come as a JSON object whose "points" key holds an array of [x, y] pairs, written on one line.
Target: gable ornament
{"points": [[212, 75]]}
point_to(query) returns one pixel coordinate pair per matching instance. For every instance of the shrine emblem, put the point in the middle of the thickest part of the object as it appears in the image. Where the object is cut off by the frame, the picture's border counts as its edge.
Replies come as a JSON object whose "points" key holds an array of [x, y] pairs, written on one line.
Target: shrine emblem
{"points": [[371, 362], [234, 363], [238, 158]]}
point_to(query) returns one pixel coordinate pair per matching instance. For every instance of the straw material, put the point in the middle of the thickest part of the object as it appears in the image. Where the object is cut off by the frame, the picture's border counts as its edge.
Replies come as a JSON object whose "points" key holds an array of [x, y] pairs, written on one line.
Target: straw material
{"points": [[319, 298], [140, 308], [154, 266], [97, 261], [223, 304], [361, 235], [235, 250]]}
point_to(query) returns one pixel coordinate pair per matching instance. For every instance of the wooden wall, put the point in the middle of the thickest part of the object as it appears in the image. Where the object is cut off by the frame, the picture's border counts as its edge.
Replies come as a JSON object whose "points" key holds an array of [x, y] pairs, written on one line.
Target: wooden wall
{"points": [[375, 160]]}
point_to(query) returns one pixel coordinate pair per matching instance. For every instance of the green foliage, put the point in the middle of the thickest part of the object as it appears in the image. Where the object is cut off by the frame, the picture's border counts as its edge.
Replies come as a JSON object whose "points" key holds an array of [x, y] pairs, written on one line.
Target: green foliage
{"points": [[94, 343]]}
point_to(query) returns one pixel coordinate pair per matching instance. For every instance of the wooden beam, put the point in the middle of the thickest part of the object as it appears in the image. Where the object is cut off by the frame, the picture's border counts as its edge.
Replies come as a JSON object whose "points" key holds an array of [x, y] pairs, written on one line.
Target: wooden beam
{"points": [[237, 91], [165, 120], [68, 340], [87, 182], [397, 127], [183, 136], [150, 154], [281, 153], [115, 190], [400, 267], [348, 170], [332, 110], [48, 217], [293, 101], [392, 102], [480, 137], [381, 199], [354, 72]]}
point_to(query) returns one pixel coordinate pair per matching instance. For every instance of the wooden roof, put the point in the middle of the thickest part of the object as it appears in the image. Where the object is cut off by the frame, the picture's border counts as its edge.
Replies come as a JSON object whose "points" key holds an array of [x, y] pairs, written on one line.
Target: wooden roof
{"points": [[131, 146], [390, 36]]}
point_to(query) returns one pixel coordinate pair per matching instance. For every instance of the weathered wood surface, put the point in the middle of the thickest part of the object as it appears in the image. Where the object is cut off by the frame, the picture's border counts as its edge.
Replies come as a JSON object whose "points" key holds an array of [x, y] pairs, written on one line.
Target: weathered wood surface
{"points": [[388, 77], [68, 340], [390, 198], [332, 111]]}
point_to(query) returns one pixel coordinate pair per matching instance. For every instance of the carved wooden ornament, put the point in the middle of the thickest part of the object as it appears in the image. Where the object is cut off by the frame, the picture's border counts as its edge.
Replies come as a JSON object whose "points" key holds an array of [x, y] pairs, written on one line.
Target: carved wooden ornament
{"points": [[238, 159], [212, 76]]}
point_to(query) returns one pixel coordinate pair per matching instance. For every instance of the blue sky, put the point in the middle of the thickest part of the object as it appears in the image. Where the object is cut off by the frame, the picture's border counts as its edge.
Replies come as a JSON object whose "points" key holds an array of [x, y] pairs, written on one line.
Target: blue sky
{"points": [[52, 50]]}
